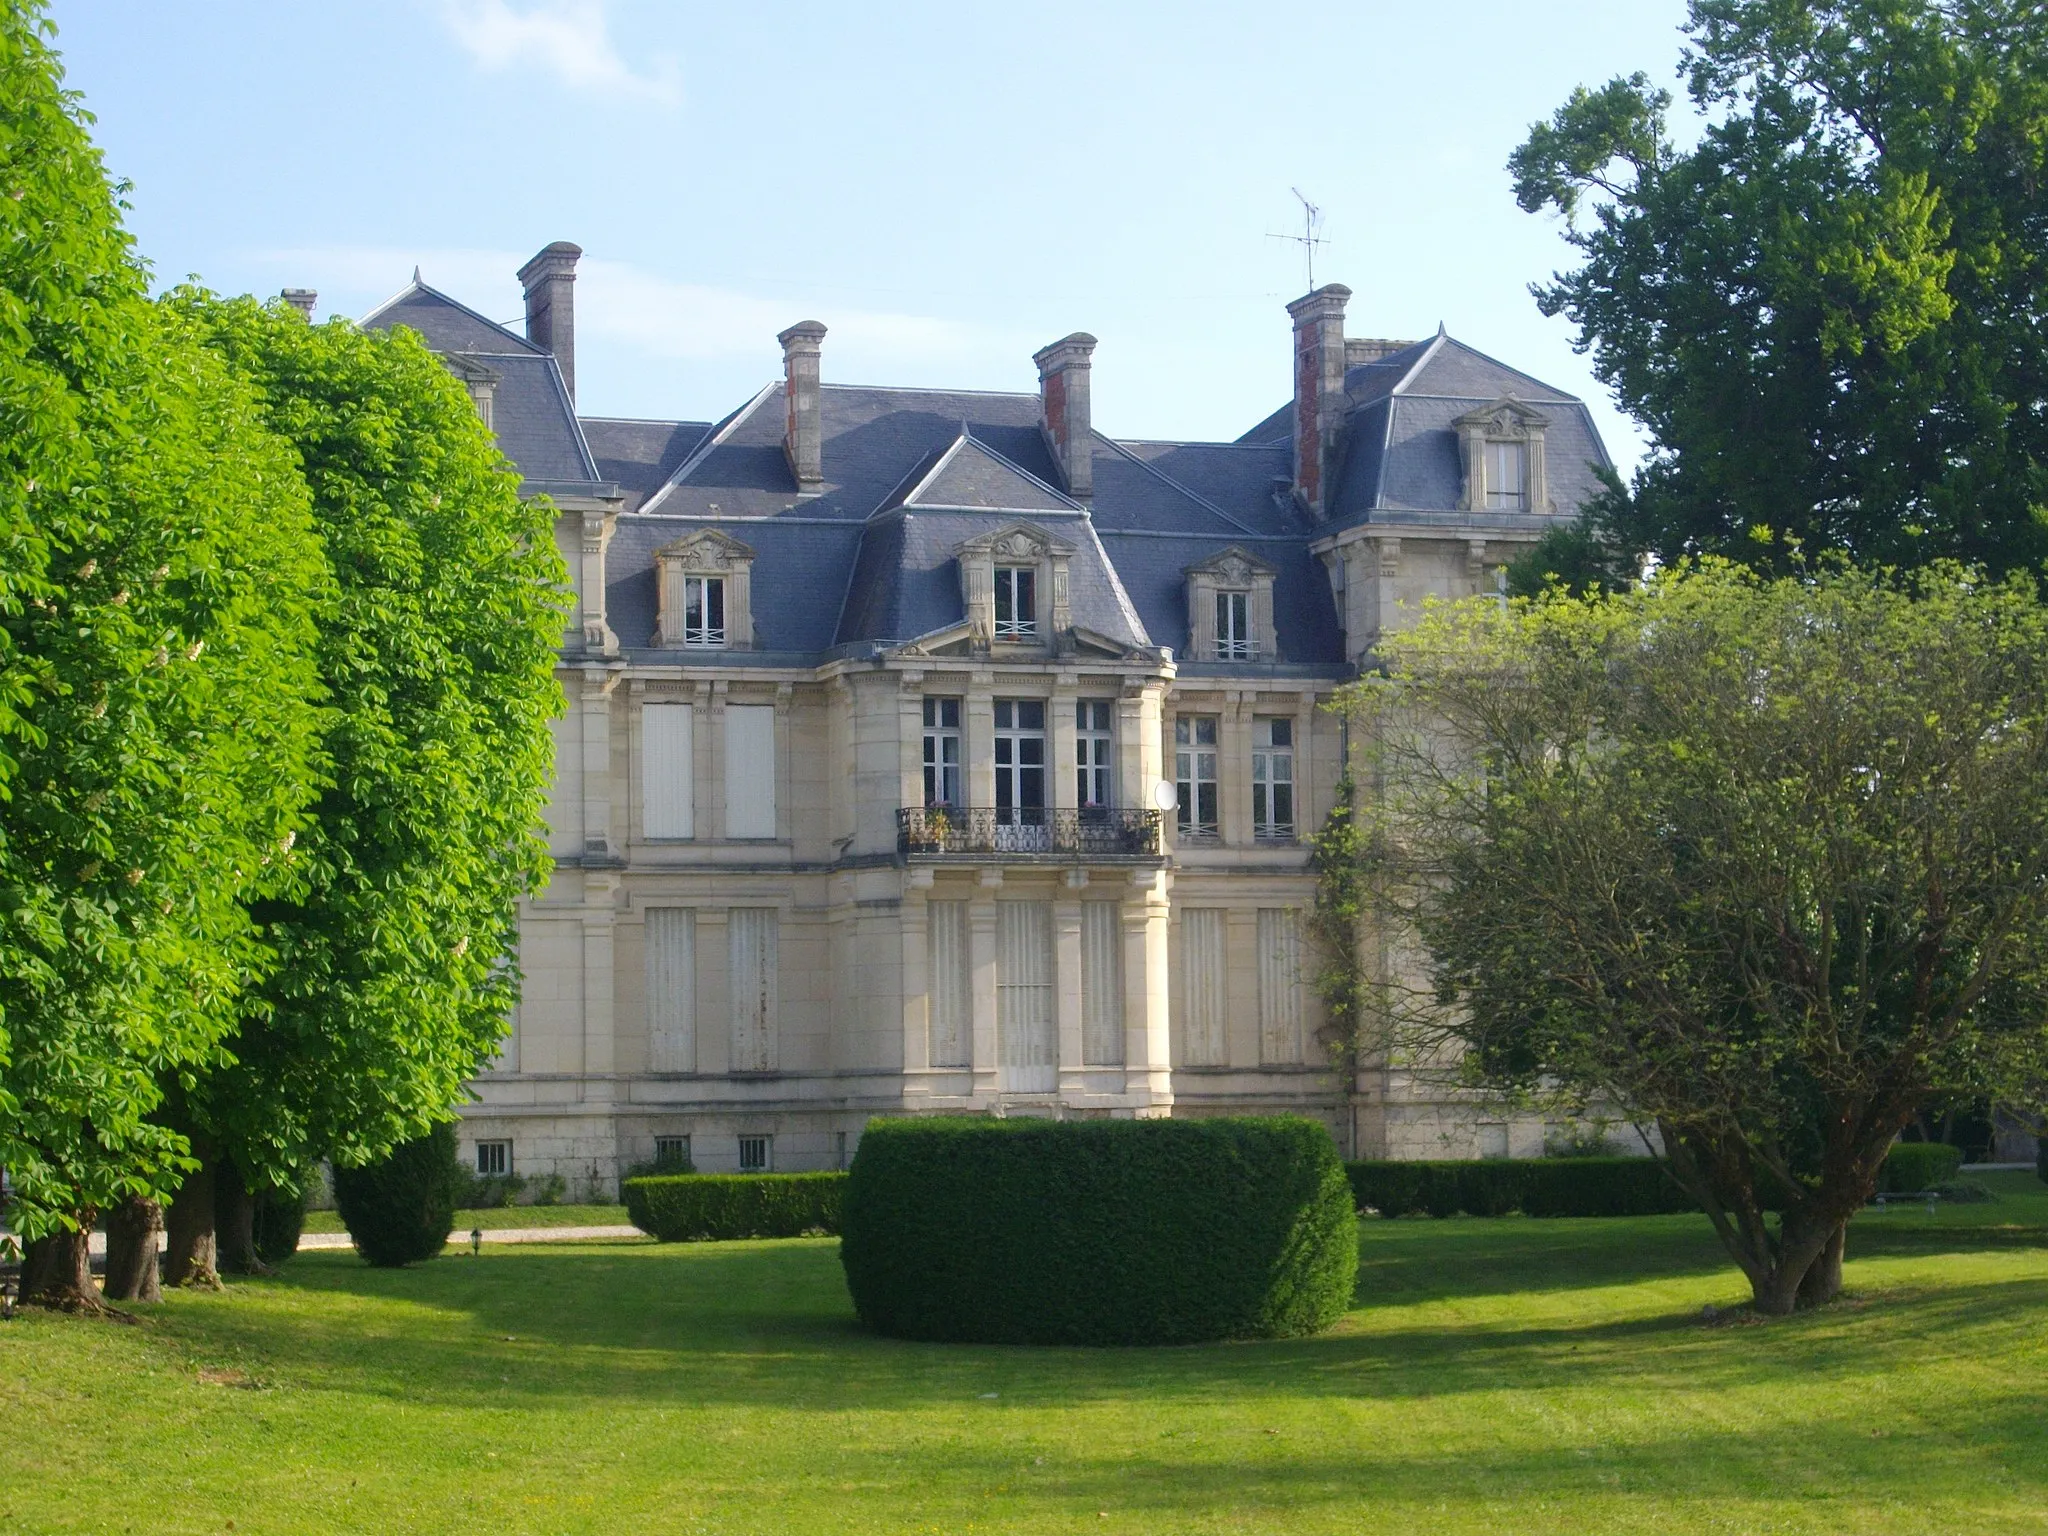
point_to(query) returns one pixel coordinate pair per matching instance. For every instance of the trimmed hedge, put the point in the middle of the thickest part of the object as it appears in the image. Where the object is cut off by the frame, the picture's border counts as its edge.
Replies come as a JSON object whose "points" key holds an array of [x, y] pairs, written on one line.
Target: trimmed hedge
{"points": [[1557, 1186], [1912, 1166], [684, 1207], [1098, 1231], [401, 1210]]}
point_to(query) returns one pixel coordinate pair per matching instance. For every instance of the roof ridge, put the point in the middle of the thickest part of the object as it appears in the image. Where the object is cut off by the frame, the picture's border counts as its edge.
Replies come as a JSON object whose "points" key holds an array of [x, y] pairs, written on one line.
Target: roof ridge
{"points": [[417, 286], [1159, 474], [720, 431], [918, 389], [1488, 357]]}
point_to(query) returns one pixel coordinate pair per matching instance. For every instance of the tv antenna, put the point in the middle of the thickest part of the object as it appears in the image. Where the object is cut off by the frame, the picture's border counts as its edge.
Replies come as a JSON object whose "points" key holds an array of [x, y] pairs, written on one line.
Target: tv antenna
{"points": [[1308, 239]]}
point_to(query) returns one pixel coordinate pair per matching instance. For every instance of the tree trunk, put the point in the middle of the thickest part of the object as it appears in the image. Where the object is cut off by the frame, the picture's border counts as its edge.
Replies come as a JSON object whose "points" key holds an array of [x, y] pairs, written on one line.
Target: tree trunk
{"points": [[1822, 1282], [56, 1272], [133, 1228], [190, 1259], [235, 1208]]}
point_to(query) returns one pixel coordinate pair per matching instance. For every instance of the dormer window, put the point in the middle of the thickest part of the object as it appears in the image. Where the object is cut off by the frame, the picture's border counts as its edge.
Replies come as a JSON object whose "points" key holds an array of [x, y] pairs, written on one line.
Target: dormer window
{"points": [[703, 610], [704, 586], [1230, 608], [1016, 602], [1502, 446], [1234, 640], [1507, 476]]}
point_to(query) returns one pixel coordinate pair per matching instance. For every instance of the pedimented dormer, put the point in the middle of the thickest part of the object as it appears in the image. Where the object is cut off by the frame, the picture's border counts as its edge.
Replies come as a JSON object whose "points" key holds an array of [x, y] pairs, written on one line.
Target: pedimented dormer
{"points": [[706, 592], [1230, 608], [1013, 584], [1502, 448]]}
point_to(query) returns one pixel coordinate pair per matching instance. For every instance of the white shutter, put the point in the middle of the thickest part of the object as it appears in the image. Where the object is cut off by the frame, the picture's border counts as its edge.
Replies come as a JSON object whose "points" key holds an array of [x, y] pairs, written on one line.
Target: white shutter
{"points": [[1204, 987], [951, 1000], [1102, 984], [1280, 1040], [667, 783], [752, 939], [671, 989], [750, 770], [1026, 1034]]}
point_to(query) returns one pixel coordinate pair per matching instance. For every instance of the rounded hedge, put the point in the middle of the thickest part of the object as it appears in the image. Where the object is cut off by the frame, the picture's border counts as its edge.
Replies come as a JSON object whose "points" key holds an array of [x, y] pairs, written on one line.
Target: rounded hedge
{"points": [[1912, 1166], [401, 1210], [1098, 1231]]}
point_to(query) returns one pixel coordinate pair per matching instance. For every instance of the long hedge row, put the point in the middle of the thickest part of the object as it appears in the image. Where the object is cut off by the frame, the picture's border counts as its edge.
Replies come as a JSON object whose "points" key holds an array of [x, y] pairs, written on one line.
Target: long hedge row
{"points": [[1558, 1186], [1098, 1231], [686, 1207]]}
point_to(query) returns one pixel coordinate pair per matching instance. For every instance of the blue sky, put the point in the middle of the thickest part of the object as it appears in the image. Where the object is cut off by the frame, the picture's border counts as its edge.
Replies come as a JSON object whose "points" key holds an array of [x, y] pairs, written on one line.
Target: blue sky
{"points": [[946, 186]]}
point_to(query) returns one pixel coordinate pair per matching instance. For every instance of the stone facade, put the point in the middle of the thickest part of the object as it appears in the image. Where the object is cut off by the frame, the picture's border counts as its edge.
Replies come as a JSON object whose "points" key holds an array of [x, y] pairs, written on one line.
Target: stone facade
{"points": [[934, 752]]}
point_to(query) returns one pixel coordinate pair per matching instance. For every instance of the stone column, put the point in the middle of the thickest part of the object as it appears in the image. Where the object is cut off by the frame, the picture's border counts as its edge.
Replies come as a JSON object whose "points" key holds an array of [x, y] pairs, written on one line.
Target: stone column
{"points": [[1234, 768], [714, 991], [599, 1033], [978, 724], [1060, 738], [916, 1000], [1148, 1045], [1066, 929], [595, 762], [981, 957]]}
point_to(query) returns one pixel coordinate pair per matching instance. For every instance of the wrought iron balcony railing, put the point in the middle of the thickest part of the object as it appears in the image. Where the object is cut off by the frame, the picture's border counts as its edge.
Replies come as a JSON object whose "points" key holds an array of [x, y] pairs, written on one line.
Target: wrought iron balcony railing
{"points": [[1093, 832]]}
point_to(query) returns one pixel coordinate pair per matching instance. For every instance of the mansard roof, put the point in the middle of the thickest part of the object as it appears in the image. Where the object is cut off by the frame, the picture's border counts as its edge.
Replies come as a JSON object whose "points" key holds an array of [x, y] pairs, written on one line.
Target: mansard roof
{"points": [[1400, 459], [530, 406]]}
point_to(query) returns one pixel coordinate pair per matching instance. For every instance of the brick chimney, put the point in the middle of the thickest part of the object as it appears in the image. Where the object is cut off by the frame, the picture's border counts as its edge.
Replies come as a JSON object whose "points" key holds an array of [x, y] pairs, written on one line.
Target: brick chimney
{"points": [[550, 283], [803, 437], [301, 299], [1318, 391], [1063, 411]]}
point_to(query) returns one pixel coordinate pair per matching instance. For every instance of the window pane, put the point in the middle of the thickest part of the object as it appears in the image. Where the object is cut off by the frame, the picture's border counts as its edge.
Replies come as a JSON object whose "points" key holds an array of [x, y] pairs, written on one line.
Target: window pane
{"points": [[1205, 731], [1031, 714]]}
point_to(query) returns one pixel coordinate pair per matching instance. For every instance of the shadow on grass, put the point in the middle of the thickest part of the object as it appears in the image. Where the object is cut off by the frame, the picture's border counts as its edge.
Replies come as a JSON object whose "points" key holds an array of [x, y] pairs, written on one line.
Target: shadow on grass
{"points": [[770, 1324]]}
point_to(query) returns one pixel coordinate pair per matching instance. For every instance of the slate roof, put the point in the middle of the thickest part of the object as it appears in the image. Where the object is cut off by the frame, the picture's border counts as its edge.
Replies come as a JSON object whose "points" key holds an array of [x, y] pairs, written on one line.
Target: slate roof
{"points": [[911, 474], [530, 406]]}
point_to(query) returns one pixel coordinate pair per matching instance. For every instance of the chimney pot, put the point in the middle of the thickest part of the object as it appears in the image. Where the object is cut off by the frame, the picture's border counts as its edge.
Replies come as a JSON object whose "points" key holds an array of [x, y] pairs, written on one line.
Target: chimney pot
{"points": [[301, 299], [803, 437], [1318, 391], [550, 283], [1064, 410]]}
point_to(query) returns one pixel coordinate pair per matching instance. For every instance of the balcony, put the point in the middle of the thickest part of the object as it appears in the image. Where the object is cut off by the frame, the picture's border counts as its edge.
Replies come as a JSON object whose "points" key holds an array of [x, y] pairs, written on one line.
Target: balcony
{"points": [[1092, 834]]}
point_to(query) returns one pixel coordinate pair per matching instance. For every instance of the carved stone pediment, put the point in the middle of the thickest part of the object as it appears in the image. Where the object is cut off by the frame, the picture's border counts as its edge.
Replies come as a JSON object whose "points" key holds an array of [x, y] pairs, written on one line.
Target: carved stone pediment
{"points": [[1018, 542], [706, 549], [1505, 419], [1233, 567]]}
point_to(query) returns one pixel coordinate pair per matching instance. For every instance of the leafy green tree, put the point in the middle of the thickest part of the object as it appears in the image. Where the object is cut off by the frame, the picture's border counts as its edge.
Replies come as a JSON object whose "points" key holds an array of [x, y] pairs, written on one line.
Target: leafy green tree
{"points": [[157, 719], [1761, 864], [1826, 311], [397, 954]]}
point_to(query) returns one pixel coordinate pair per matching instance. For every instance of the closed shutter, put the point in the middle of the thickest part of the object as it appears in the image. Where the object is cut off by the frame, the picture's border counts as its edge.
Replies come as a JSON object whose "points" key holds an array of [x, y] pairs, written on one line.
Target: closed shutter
{"points": [[750, 770], [1025, 1029], [1102, 984], [1280, 1039], [671, 989], [951, 1006], [667, 777], [1204, 987], [751, 934]]}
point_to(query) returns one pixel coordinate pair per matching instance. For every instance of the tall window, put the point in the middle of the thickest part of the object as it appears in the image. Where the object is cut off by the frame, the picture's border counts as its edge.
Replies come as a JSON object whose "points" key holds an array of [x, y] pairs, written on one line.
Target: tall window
{"points": [[1507, 476], [1234, 627], [704, 610], [1273, 780], [1094, 775], [1020, 762], [942, 752], [1016, 602], [1194, 774]]}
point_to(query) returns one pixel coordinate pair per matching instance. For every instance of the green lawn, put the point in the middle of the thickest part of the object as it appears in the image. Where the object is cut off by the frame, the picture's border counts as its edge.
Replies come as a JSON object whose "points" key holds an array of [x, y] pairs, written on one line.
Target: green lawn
{"points": [[1498, 1376], [500, 1217]]}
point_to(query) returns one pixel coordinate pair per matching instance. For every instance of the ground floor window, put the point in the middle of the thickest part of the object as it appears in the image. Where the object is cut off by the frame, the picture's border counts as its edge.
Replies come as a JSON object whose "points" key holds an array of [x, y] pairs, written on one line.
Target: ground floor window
{"points": [[755, 1153], [493, 1159], [671, 1151]]}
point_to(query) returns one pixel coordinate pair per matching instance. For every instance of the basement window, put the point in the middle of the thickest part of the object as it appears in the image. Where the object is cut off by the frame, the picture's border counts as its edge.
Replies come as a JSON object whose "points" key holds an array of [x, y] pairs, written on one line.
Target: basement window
{"points": [[754, 1153], [493, 1159]]}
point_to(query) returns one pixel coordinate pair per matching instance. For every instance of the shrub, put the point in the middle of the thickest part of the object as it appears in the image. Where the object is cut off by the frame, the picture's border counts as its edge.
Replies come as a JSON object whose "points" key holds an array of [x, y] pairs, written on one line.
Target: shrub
{"points": [[682, 1207], [1565, 1186], [1098, 1231], [487, 1191], [1912, 1166], [401, 1210], [674, 1162], [279, 1220], [2041, 1158]]}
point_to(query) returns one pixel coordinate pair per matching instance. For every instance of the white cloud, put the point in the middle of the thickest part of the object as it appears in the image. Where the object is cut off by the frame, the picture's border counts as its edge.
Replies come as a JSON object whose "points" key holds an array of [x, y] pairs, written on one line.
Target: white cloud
{"points": [[572, 38]]}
